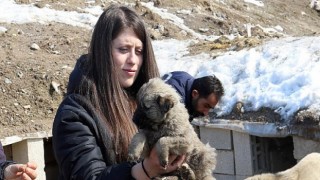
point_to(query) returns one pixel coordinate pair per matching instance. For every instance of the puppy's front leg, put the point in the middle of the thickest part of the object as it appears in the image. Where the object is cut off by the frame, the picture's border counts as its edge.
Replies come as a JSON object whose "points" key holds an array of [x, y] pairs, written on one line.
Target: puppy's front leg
{"points": [[171, 145], [162, 148], [137, 146]]}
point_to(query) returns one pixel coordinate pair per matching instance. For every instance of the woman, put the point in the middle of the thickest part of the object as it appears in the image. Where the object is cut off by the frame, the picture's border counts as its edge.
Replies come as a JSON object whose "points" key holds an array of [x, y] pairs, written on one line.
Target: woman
{"points": [[93, 125]]}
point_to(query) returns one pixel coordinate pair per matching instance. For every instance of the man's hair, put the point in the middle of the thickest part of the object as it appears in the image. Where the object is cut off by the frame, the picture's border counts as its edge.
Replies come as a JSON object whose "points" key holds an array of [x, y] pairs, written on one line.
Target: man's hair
{"points": [[207, 85]]}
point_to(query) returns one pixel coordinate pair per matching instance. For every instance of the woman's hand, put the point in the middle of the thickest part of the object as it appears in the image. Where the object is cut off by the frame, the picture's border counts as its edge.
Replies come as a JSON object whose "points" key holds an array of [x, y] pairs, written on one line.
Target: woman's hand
{"points": [[21, 171], [153, 168]]}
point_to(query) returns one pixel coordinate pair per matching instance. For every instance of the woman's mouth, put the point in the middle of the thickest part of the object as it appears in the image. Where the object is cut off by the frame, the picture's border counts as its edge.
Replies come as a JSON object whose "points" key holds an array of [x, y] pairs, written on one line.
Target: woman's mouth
{"points": [[129, 72]]}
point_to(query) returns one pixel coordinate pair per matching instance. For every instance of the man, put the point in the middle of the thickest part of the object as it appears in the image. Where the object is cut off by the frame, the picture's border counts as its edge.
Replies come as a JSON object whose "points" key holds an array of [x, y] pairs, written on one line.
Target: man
{"points": [[11, 170], [198, 94]]}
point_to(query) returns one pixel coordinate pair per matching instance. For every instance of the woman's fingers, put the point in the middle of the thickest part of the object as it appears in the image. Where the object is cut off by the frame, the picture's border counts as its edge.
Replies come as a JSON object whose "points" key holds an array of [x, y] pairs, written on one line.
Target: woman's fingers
{"points": [[19, 168], [24, 176], [32, 165], [175, 163], [30, 172], [179, 160], [176, 159]]}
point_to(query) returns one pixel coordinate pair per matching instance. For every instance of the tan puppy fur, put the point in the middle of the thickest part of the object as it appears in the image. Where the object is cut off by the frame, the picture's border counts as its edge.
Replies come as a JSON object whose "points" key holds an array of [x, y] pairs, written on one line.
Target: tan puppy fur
{"points": [[164, 123], [307, 169]]}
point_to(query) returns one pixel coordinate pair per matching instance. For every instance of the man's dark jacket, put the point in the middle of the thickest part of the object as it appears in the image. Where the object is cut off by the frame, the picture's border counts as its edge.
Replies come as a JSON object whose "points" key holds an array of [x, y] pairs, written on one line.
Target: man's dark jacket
{"points": [[182, 82]]}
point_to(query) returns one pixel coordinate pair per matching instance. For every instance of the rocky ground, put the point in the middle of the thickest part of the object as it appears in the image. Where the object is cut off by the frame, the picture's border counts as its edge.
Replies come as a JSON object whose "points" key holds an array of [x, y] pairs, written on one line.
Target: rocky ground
{"points": [[36, 59]]}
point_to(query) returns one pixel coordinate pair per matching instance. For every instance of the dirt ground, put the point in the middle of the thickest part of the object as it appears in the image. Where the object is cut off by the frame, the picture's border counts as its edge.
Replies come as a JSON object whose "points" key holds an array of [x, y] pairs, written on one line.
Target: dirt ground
{"points": [[33, 82]]}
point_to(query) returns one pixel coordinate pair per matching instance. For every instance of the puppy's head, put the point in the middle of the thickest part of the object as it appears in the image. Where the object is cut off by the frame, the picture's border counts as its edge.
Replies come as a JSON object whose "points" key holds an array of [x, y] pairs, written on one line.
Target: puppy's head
{"points": [[155, 99]]}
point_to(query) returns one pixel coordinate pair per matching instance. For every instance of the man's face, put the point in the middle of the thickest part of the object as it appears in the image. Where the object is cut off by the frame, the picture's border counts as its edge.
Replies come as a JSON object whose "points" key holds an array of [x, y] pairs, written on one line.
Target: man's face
{"points": [[202, 105]]}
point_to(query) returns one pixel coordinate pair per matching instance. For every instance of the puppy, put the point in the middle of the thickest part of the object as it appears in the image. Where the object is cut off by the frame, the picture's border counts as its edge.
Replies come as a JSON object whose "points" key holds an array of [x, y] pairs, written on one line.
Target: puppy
{"points": [[163, 122]]}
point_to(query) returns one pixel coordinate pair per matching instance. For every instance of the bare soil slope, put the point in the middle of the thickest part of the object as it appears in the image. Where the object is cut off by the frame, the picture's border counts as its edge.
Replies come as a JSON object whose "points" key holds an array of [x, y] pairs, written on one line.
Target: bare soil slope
{"points": [[33, 82]]}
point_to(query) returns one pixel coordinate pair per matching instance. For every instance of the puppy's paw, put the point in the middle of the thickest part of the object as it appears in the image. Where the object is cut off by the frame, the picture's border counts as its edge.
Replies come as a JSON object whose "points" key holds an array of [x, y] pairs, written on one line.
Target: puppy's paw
{"points": [[164, 163], [133, 157], [186, 173]]}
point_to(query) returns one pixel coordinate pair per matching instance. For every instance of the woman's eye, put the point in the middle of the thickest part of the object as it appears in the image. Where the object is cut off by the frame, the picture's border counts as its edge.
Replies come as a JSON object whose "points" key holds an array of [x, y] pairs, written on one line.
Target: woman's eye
{"points": [[123, 50], [138, 51]]}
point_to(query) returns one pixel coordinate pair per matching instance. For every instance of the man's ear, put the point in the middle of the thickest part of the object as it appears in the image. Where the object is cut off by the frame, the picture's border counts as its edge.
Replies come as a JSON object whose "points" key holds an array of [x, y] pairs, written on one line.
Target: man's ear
{"points": [[194, 94], [165, 103]]}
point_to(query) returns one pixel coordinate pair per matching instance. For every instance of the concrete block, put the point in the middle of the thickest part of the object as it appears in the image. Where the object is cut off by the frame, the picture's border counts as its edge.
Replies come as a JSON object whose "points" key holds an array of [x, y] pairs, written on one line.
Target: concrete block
{"points": [[224, 177], [216, 137], [238, 177], [30, 150], [303, 146], [8, 152], [225, 162], [242, 154]]}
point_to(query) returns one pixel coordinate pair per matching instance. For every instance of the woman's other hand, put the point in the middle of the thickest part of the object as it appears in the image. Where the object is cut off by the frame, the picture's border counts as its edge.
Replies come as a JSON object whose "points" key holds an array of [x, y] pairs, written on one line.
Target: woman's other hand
{"points": [[21, 171]]}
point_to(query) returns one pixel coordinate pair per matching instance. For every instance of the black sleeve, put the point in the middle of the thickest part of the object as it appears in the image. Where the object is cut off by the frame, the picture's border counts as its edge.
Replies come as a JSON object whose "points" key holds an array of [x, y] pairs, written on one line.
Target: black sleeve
{"points": [[3, 165], [77, 152], [2, 155]]}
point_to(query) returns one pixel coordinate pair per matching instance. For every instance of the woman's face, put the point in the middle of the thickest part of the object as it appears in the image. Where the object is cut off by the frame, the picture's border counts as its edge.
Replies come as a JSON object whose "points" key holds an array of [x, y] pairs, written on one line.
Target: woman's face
{"points": [[127, 52]]}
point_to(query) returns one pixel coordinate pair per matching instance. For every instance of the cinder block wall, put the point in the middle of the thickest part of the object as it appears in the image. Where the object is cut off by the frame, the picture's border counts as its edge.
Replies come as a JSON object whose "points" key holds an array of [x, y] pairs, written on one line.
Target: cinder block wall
{"points": [[231, 156], [237, 157], [303, 147], [220, 139]]}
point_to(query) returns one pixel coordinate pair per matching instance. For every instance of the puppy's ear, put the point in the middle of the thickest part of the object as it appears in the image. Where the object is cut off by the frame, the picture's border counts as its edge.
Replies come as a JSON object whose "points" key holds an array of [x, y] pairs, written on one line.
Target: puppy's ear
{"points": [[165, 103]]}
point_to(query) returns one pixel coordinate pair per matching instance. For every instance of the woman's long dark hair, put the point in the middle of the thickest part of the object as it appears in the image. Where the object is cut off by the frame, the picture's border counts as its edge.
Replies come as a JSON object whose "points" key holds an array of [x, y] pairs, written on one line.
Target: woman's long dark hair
{"points": [[101, 84]]}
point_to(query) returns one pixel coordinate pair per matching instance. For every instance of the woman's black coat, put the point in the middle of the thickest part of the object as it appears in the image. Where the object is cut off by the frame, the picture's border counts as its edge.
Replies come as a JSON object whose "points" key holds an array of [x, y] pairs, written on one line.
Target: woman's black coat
{"points": [[82, 145]]}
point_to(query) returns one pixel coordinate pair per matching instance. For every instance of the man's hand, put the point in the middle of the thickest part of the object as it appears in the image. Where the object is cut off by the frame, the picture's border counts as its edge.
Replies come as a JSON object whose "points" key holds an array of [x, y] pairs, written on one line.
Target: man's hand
{"points": [[21, 171]]}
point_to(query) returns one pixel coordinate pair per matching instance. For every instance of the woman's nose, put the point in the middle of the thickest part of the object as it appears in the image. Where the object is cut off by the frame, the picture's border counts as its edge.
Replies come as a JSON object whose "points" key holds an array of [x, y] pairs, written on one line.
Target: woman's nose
{"points": [[132, 57]]}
